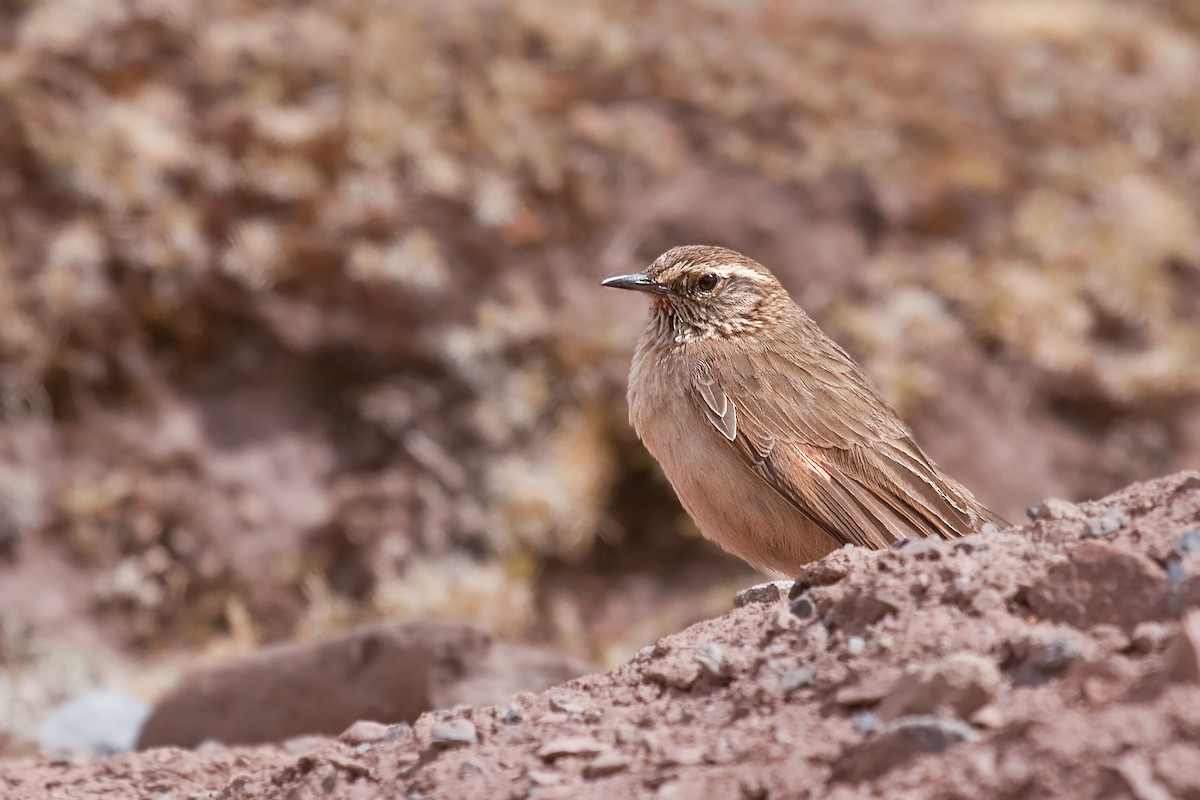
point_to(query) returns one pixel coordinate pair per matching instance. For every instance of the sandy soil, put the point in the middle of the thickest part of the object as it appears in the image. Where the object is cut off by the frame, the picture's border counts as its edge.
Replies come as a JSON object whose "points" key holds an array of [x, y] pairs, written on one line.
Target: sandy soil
{"points": [[1057, 659]]}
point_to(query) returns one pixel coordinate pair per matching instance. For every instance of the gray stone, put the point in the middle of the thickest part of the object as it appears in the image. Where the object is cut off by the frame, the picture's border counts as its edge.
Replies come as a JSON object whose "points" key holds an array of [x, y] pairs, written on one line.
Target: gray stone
{"points": [[102, 722]]}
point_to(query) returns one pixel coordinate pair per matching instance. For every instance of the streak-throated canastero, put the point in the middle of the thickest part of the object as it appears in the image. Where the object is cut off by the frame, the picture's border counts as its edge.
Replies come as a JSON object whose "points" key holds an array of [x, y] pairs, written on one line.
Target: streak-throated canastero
{"points": [[776, 442]]}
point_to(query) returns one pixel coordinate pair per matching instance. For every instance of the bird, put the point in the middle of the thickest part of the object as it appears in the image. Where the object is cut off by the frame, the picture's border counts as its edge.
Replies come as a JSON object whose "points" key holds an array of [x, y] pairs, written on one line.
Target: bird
{"points": [[776, 442]]}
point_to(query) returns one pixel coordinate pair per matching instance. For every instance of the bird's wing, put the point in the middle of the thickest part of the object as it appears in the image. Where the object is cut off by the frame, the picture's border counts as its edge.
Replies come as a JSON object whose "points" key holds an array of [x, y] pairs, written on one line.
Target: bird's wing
{"points": [[819, 434]]}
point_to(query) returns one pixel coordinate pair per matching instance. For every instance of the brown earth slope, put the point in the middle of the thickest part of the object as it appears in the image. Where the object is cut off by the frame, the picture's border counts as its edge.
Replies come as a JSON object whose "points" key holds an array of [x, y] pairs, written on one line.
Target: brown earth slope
{"points": [[1058, 659]]}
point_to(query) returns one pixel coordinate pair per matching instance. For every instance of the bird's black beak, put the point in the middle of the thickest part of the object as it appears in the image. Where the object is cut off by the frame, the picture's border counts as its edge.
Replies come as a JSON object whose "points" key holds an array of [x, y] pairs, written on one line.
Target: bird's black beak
{"points": [[639, 281]]}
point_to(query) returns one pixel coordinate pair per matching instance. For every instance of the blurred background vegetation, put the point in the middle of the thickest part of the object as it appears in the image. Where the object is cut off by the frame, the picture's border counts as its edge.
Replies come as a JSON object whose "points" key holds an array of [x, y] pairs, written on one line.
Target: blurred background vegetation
{"points": [[299, 323]]}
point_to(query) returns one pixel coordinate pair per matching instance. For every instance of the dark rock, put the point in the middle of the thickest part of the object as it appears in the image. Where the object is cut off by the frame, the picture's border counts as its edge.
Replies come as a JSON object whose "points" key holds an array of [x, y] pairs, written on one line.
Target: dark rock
{"points": [[857, 612], [822, 572], [1046, 650], [388, 673], [957, 685], [762, 593], [1101, 584], [802, 607], [898, 742]]}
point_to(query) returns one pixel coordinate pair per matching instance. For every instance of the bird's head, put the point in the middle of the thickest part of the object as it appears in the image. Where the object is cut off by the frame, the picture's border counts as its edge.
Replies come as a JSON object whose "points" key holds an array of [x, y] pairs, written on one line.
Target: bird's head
{"points": [[708, 292]]}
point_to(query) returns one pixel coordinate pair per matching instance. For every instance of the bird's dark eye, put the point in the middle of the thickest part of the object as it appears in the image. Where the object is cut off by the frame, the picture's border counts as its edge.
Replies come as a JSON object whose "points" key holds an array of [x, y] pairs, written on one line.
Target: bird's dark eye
{"points": [[708, 282]]}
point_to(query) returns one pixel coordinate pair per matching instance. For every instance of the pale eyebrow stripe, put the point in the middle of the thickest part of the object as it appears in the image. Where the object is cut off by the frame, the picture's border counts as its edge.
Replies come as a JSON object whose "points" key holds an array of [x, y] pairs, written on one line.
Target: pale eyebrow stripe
{"points": [[743, 272]]}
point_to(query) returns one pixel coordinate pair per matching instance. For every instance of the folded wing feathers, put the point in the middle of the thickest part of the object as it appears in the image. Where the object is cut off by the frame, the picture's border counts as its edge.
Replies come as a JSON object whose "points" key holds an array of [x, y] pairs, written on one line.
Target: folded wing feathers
{"points": [[871, 488]]}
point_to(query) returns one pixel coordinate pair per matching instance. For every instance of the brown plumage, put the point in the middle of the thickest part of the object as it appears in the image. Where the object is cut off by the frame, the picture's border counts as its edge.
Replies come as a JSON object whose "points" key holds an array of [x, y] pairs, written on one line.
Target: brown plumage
{"points": [[777, 444]]}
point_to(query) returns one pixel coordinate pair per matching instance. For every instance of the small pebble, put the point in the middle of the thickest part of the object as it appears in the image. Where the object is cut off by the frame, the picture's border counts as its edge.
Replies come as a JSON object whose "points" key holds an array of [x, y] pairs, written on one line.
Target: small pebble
{"points": [[1045, 651], [455, 733], [397, 731], [1054, 508], [783, 620], [1106, 524], [1188, 543], [798, 677], [544, 777], [969, 543], [512, 715], [364, 731], [864, 722], [925, 547], [762, 593], [1149, 637], [1054, 654], [608, 763], [569, 746], [1177, 573], [988, 717], [855, 645], [296, 745], [712, 658], [561, 701]]}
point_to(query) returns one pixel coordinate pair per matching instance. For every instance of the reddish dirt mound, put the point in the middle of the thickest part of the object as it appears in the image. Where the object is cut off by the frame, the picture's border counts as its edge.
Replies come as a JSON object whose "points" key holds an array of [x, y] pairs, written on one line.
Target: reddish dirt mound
{"points": [[1060, 659]]}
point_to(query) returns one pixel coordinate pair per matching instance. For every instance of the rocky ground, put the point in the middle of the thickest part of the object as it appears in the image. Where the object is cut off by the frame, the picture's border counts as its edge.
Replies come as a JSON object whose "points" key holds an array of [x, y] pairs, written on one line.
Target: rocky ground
{"points": [[1057, 659], [301, 338]]}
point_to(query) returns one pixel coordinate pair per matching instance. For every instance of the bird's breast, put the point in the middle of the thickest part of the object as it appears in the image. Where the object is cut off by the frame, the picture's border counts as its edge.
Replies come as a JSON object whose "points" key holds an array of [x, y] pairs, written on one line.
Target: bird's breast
{"points": [[729, 503]]}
